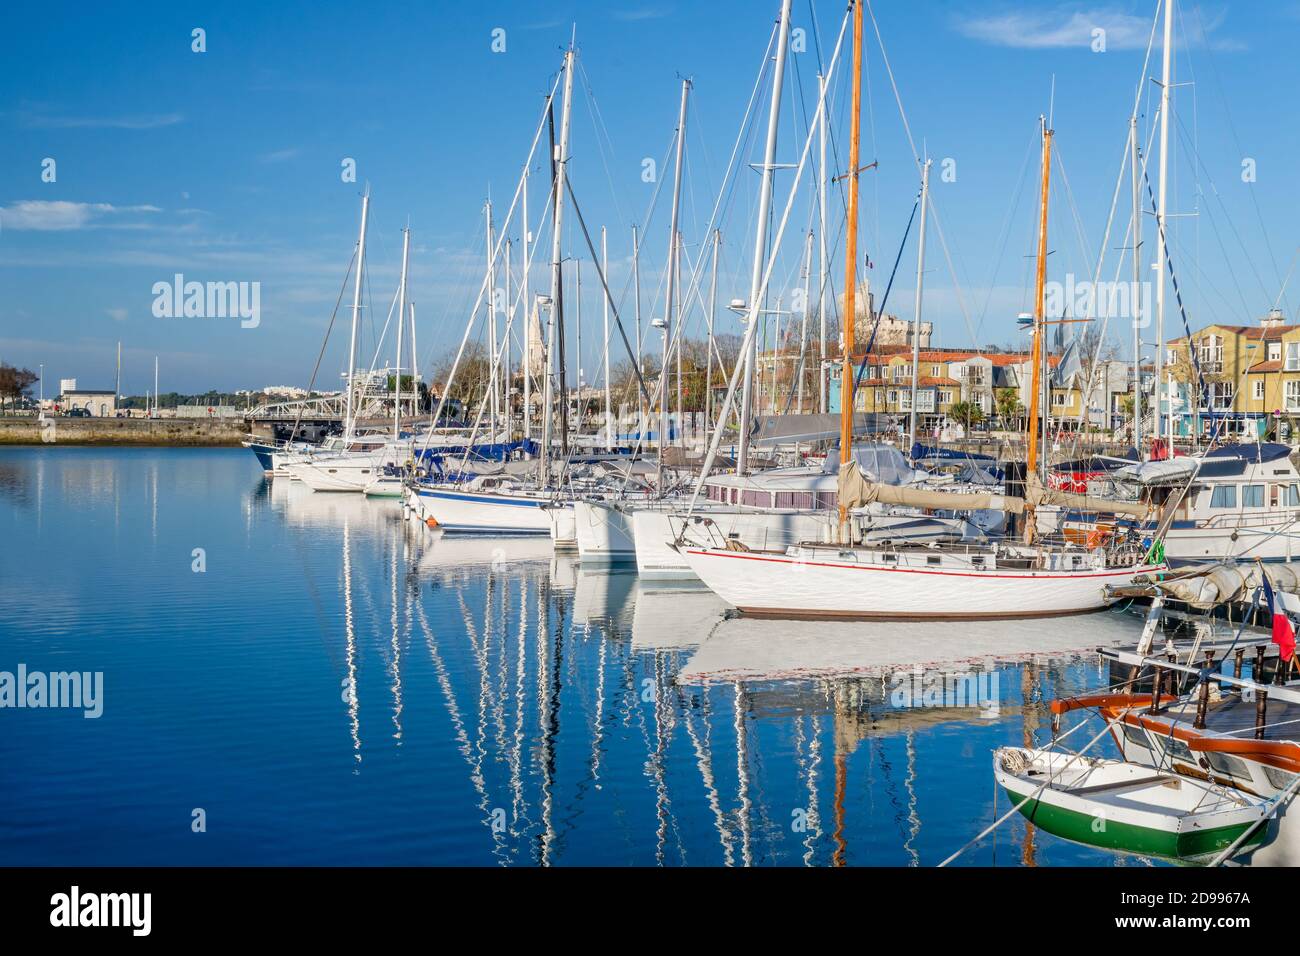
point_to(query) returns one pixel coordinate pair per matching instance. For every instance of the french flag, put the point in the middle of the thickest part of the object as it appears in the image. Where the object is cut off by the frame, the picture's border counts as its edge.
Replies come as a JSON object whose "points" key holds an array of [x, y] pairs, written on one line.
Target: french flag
{"points": [[1283, 629]]}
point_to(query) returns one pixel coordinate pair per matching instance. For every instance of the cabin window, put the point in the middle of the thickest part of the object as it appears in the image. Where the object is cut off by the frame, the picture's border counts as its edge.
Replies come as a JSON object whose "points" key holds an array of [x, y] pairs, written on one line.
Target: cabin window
{"points": [[1275, 493], [1278, 778], [1225, 496], [1293, 496], [1136, 736], [1228, 765], [1252, 496], [1176, 748], [932, 559]]}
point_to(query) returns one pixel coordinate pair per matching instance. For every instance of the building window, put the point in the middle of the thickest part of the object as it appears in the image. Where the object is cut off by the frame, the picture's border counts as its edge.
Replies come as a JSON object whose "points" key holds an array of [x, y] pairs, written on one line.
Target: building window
{"points": [[1293, 356], [893, 396], [1274, 351], [1219, 396], [1259, 390], [1293, 396], [1211, 353], [1058, 399], [945, 396]]}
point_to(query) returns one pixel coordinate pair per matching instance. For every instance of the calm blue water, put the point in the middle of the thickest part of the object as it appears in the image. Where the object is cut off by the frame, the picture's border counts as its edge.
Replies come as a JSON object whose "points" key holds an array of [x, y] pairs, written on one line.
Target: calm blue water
{"points": [[510, 707]]}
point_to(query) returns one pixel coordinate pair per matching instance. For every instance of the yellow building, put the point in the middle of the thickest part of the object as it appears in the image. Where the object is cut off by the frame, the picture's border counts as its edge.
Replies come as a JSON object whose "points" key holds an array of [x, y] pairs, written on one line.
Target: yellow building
{"points": [[1251, 377]]}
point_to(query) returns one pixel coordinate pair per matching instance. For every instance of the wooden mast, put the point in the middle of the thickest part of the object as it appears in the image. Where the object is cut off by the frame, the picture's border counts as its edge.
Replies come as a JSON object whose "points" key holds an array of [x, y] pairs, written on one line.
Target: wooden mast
{"points": [[1031, 463], [850, 264]]}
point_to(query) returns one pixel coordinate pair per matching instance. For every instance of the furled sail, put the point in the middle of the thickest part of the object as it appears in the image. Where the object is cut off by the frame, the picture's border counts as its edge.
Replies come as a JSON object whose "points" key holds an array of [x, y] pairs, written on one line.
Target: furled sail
{"points": [[1038, 495], [856, 491]]}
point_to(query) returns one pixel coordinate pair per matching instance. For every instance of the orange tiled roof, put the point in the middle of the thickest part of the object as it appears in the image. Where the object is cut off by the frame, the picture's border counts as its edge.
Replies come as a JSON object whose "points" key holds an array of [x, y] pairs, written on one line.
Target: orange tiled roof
{"points": [[1261, 367]]}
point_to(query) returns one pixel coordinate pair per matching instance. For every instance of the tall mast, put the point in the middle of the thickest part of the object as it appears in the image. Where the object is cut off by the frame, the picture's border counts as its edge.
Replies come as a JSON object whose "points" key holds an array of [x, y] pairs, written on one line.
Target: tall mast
{"points": [[1162, 232], [760, 238], [356, 311], [669, 326], [1137, 282], [1031, 464], [528, 324], [609, 411], [577, 327], [824, 262], [401, 313], [708, 361], [560, 163], [803, 325], [850, 265], [916, 315], [505, 351], [636, 306], [495, 401]]}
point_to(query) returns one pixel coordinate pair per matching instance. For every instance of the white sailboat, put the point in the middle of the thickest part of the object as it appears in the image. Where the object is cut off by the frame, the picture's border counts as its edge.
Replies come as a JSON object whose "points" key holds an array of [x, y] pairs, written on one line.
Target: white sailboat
{"points": [[848, 579]]}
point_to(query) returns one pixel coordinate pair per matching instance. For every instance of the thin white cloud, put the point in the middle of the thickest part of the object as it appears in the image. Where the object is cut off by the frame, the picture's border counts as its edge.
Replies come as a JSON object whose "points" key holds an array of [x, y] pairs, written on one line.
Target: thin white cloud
{"points": [[150, 121], [1073, 27], [118, 315], [281, 155], [60, 215], [641, 13]]}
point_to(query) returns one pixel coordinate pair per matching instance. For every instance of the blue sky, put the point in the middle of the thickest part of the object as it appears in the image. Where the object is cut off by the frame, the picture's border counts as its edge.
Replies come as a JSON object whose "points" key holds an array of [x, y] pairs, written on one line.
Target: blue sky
{"points": [[225, 165]]}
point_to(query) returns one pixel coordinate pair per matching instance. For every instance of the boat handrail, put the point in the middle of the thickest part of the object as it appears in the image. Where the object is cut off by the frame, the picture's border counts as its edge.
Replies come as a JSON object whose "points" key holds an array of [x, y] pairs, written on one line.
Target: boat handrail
{"points": [[1286, 751], [1067, 704]]}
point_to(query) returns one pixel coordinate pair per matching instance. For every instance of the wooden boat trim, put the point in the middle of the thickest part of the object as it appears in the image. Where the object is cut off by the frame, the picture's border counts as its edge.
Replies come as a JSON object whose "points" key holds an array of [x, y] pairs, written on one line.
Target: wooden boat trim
{"points": [[1107, 702]]}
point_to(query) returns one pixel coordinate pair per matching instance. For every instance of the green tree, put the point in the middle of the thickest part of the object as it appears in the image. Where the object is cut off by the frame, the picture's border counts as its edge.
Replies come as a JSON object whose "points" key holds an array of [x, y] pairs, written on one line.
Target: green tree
{"points": [[966, 412], [1009, 408], [14, 383]]}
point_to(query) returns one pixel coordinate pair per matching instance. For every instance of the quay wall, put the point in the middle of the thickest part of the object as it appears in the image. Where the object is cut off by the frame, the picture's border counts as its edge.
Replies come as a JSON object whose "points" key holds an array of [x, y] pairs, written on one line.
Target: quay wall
{"points": [[27, 430]]}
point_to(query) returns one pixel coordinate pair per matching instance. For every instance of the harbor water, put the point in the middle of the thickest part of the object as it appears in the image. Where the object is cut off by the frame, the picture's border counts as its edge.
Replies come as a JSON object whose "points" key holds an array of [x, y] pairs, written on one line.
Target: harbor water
{"points": [[300, 678]]}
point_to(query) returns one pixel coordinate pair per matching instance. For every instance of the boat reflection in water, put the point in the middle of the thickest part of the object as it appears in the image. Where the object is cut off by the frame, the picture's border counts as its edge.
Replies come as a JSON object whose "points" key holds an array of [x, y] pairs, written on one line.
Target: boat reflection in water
{"points": [[580, 714]]}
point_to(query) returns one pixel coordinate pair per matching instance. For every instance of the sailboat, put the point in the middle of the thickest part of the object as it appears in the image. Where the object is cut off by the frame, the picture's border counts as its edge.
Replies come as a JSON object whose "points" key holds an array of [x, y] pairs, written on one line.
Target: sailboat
{"points": [[847, 579]]}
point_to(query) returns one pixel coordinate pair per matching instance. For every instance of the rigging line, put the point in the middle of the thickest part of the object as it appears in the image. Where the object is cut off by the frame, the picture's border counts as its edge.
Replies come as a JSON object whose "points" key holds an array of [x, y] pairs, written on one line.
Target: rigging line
{"points": [[1282, 291], [881, 311], [1243, 305], [618, 321], [1178, 295], [1218, 82], [598, 121], [436, 411], [312, 382], [916, 157], [1094, 362], [1005, 231], [1084, 254], [1182, 132]]}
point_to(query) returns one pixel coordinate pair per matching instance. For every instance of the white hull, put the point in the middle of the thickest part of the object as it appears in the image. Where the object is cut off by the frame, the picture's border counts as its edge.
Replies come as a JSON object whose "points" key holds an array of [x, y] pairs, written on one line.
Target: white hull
{"points": [[564, 531], [338, 474], [654, 532], [603, 531], [470, 512], [823, 582]]}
